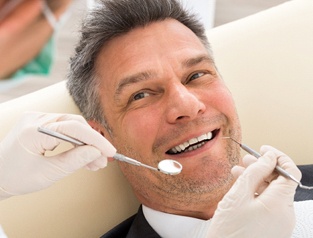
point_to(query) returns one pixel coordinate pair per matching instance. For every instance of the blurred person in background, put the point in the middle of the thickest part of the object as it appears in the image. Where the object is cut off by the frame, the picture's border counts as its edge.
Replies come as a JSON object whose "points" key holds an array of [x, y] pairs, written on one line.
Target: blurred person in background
{"points": [[26, 35]]}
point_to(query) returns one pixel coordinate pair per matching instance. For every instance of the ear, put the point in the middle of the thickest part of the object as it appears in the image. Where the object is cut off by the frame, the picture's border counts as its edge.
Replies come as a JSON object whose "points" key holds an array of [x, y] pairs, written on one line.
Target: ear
{"points": [[100, 128]]}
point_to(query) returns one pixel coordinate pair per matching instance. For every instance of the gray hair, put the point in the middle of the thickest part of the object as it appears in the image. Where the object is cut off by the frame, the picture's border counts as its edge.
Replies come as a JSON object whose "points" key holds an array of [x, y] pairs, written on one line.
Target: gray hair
{"points": [[112, 18]]}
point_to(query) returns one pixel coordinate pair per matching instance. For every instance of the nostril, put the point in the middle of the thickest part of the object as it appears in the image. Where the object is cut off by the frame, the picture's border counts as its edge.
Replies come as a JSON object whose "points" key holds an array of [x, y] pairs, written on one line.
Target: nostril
{"points": [[183, 105]]}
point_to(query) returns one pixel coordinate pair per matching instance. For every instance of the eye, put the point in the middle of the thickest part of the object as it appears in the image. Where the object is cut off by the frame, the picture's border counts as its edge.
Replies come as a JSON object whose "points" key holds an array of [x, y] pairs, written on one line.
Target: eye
{"points": [[195, 76], [140, 95]]}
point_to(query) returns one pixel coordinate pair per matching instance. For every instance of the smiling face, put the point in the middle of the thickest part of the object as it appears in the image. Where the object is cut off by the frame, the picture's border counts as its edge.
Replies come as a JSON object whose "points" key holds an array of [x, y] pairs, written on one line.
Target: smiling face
{"points": [[164, 99]]}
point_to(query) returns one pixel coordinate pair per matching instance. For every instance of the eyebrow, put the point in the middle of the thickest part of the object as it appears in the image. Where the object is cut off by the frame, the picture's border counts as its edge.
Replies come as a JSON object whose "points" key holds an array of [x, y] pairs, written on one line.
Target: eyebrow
{"points": [[130, 80], [146, 75], [188, 63]]}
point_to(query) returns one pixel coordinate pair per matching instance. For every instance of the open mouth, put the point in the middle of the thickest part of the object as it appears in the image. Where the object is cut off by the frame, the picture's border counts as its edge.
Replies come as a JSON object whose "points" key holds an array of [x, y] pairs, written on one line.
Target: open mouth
{"points": [[193, 143]]}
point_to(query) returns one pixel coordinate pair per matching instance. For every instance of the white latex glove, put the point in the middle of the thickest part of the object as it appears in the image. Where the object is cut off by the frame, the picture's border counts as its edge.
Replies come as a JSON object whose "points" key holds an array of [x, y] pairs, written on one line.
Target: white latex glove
{"points": [[23, 166], [243, 214]]}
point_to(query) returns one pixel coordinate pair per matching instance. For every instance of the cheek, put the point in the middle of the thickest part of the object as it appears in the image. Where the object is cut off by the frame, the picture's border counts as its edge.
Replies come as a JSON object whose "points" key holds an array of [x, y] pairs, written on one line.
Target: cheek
{"points": [[141, 127], [223, 101]]}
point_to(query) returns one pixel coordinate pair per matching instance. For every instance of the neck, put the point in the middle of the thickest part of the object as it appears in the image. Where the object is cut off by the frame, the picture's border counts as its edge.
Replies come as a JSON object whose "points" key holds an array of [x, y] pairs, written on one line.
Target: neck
{"points": [[200, 208]]}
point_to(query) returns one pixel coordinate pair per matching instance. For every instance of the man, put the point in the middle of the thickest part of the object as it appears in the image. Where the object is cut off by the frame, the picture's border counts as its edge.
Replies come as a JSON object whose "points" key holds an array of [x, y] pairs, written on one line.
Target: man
{"points": [[22, 153], [151, 116], [144, 77]]}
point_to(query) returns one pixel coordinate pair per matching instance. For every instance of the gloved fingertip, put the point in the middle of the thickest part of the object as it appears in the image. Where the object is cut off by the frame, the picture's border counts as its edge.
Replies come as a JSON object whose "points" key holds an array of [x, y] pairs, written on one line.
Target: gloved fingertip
{"points": [[265, 148], [100, 162], [237, 171], [248, 160], [81, 156], [94, 169], [103, 163], [269, 157], [110, 151], [90, 153], [91, 168]]}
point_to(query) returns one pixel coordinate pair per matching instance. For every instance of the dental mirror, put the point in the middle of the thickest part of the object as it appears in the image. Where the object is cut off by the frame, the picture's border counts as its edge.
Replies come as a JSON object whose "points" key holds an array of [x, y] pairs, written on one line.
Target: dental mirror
{"points": [[167, 166]]}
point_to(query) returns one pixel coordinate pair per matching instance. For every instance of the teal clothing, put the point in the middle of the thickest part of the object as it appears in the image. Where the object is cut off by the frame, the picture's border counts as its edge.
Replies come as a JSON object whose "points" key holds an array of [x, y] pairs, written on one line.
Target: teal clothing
{"points": [[41, 65]]}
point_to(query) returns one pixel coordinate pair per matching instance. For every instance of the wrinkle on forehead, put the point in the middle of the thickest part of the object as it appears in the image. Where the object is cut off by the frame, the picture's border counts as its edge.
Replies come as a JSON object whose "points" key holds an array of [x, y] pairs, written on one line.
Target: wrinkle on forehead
{"points": [[135, 56]]}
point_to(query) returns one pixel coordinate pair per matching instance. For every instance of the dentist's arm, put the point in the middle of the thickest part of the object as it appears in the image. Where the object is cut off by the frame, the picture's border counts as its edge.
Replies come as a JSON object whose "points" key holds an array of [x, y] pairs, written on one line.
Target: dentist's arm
{"points": [[260, 203], [24, 167]]}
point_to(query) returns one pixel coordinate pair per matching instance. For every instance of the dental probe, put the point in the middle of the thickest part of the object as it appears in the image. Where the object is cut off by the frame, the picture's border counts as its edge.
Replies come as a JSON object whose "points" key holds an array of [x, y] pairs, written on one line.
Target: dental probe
{"points": [[170, 167], [279, 169]]}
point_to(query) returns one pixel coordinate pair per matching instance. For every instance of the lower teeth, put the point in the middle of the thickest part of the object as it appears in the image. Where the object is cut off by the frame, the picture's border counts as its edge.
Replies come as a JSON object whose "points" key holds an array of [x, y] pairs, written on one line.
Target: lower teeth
{"points": [[194, 147]]}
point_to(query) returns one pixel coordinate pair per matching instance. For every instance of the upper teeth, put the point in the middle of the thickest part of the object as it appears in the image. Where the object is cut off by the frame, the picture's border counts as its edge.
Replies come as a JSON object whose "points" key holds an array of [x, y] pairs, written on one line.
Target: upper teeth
{"points": [[183, 146]]}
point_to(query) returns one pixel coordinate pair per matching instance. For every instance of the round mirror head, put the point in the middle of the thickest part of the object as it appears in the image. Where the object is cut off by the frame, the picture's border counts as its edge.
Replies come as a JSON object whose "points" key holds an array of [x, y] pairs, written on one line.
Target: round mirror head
{"points": [[171, 167]]}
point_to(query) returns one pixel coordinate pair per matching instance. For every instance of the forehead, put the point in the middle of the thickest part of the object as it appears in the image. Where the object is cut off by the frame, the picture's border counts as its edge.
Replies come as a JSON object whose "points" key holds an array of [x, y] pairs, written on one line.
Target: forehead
{"points": [[165, 42]]}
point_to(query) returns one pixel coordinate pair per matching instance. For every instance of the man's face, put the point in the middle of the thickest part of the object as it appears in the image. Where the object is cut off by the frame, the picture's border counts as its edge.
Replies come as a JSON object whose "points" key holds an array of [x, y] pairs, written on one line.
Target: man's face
{"points": [[161, 92]]}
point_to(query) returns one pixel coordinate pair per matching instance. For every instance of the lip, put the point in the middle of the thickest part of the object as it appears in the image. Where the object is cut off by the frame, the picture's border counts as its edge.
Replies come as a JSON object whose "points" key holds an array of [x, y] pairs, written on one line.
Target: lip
{"points": [[205, 147]]}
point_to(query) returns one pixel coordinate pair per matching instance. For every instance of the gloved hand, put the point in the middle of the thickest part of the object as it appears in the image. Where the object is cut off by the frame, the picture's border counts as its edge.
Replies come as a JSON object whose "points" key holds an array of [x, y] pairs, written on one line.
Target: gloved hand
{"points": [[24, 168], [259, 204]]}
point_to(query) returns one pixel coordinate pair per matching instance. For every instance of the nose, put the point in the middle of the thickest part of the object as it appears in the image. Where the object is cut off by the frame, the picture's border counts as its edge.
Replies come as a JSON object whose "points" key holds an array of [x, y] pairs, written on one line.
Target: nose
{"points": [[183, 104]]}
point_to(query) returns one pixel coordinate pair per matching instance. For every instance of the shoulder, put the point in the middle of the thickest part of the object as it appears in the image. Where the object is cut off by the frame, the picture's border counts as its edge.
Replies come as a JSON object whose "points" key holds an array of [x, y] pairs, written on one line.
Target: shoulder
{"points": [[307, 179], [120, 230], [133, 227]]}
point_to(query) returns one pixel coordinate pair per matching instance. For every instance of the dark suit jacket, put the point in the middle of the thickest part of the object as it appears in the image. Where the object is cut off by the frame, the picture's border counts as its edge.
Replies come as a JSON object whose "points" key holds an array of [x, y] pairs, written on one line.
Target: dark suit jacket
{"points": [[307, 179], [138, 227], [134, 227]]}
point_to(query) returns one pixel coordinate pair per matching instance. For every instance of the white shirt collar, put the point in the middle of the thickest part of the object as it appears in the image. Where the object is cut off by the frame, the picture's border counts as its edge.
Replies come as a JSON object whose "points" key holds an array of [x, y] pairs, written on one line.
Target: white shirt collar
{"points": [[170, 225]]}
